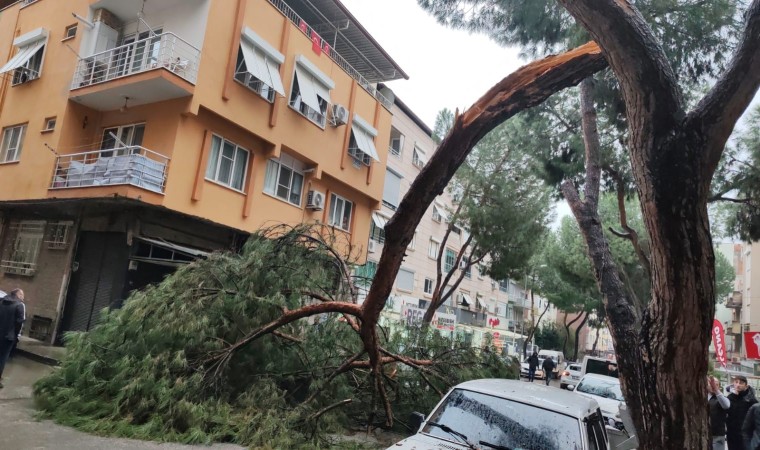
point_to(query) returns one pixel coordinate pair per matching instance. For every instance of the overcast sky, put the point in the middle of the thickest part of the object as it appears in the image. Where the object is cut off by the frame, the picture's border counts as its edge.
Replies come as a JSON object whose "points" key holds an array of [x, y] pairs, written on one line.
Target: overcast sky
{"points": [[447, 68]]}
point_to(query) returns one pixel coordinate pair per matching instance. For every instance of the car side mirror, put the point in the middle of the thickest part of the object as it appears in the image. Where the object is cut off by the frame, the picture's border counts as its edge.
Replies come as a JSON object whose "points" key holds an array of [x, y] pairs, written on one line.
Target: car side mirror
{"points": [[415, 420], [570, 387]]}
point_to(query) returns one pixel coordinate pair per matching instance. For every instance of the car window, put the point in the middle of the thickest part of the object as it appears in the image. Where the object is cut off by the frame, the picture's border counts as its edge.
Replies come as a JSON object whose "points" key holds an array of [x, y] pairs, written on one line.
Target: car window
{"points": [[601, 388], [574, 367], [505, 423], [602, 367], [597, 434]]}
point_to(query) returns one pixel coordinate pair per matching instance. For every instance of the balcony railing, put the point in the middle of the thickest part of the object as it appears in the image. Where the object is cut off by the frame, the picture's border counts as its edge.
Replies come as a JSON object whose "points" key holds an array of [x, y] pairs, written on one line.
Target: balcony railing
{"points": [[136, 166], [307, 30], [162, 51]]}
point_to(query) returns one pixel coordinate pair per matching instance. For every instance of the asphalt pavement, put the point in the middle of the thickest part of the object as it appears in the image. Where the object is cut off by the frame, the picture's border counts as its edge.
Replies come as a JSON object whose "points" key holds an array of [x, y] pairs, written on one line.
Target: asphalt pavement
{"points": [[20, 431]]}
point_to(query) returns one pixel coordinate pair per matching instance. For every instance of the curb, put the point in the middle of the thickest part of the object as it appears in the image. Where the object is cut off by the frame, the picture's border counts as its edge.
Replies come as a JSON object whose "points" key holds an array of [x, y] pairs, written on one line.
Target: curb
{"points": [[37, 358]]}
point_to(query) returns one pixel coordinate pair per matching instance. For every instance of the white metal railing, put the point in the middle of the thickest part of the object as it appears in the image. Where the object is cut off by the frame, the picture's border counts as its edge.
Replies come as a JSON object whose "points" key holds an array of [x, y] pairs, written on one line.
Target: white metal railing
{"points": [[307, 30], [161, 51], [133, 165]]}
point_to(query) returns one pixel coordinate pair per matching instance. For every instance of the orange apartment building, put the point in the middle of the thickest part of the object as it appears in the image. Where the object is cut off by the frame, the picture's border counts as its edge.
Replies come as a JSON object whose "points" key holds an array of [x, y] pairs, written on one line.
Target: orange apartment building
{"points": [[140, 134]]}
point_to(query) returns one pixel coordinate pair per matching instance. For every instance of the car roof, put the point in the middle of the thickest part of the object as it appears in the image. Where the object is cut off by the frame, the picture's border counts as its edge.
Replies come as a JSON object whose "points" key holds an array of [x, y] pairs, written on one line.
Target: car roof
{"points": [[601, 377], [546, 397]]}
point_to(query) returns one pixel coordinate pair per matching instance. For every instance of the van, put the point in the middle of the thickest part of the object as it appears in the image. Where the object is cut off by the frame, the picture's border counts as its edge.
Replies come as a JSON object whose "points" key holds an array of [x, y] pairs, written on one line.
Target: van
{"points": [[557, 356]]}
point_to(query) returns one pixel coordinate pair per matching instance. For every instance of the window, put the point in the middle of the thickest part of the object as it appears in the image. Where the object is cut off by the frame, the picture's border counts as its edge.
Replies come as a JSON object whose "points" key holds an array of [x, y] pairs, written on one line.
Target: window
{"points": [[70, 32], [418, 158], [13, 138], [227, 163], [310, 94], [364, 274], [405, 280], [26, 64], [451, 257], [121, 139], [456, 230], [361, 145], [49, 124], [284, 179], [258, 66], [392, 189], [59, 235], [467, 270], [21, 256], [397, 143], [433, 248], [376, 233], [428, 286], [413, 244], [340, 212], [438, 214]]}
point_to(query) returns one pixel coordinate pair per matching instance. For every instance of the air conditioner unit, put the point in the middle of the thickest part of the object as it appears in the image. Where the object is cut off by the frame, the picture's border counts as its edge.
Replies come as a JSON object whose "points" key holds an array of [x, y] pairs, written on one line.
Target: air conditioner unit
{"points": [[371, 246], [315, 200], [463, 264], [339, 115]]}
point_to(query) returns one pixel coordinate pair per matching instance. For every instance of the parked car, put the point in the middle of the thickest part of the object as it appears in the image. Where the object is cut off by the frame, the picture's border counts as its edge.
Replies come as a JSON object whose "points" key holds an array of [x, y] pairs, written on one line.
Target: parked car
{"points": [[601, 366], [525, 369], [606, 391], [570, 376], [498, 414]]}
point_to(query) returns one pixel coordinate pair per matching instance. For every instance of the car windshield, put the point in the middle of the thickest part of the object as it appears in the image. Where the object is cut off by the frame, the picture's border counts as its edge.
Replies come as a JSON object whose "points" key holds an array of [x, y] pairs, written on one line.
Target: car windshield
{"points": [[505, 423], [601, 388]]}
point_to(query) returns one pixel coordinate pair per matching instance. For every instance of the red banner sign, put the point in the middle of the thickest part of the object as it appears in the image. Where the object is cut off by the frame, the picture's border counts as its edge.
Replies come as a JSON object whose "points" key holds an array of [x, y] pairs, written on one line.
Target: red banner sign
{"points": [[719, 342], [752, 344]]}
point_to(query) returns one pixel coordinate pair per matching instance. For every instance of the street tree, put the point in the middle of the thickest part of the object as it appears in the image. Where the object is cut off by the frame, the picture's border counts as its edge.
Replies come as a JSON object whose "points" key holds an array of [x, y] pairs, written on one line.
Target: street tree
{"points": [[500, 211], [674, 146]]}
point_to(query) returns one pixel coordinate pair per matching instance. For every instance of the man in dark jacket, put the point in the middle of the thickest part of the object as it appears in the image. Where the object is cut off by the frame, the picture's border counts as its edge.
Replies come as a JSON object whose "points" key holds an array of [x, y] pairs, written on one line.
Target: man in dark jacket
{"points": [[11, 320], [532, 365], [548, 367], [751, 428], [742, 398]]}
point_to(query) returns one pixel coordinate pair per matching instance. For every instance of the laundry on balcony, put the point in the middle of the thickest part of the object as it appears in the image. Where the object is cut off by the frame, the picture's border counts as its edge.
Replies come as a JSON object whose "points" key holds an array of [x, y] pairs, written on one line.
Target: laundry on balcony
{"points": [[108, 167]]}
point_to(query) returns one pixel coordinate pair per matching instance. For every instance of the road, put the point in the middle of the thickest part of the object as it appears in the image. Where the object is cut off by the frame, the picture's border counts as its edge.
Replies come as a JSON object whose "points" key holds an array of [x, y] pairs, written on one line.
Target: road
{"points": [[20, 431]]}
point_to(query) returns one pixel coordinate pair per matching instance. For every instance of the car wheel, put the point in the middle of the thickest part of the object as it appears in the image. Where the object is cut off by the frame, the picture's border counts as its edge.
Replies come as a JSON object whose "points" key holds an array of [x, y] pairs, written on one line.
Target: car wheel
{"points": [[563, 386]]}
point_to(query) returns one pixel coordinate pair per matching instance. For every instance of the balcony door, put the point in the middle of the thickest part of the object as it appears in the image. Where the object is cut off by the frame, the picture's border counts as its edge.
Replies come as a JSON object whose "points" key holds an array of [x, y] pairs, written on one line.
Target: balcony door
{"points": [[138, 52], [120, 140]]}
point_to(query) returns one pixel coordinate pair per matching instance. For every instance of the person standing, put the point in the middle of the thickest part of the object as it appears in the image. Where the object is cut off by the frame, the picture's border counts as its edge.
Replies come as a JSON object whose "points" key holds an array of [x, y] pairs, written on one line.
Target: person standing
{"points": [[532, 366], [718, 406], [11, 320], [548, 367], [742, 398]]}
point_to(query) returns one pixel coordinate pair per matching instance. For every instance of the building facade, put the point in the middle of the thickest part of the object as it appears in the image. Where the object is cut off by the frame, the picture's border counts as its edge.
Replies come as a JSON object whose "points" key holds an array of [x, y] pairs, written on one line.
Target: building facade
{"points": [[138, 135], [479, 307]]}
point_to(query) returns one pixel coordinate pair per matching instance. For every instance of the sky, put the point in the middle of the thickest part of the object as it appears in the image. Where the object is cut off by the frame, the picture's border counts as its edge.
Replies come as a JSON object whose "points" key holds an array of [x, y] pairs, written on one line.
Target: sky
{"points": [[447, 68]]}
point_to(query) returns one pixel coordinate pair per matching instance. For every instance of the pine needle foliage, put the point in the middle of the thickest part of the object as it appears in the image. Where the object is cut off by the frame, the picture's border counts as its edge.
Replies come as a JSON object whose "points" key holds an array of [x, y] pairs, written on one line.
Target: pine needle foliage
{"points": [[144, 371]]}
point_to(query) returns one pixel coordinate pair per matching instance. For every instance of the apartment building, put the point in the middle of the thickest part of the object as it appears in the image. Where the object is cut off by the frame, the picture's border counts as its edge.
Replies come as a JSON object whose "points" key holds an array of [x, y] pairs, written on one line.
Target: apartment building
{"points": [[479, 306], [138, 135]]}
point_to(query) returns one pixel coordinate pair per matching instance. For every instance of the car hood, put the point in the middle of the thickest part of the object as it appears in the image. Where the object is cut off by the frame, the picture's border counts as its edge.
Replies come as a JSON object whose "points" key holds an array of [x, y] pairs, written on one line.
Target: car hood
{"points": [[609, 407], [425, 442]]}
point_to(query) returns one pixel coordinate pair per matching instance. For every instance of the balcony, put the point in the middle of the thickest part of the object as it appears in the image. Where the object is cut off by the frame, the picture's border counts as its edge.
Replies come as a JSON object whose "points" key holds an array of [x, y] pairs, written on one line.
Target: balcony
{"points": [[735, 300], [135, 166], [157, 68]]}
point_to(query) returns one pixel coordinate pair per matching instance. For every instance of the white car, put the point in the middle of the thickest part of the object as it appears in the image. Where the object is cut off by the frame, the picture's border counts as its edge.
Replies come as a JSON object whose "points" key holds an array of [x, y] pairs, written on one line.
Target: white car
{"points": [[570, 376], [508, 414], [606, 391], [525, 369]]}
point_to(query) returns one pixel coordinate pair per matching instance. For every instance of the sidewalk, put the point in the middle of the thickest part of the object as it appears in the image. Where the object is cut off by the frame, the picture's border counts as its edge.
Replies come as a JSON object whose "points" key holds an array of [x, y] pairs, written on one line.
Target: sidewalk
{"points": [[20, 431]]}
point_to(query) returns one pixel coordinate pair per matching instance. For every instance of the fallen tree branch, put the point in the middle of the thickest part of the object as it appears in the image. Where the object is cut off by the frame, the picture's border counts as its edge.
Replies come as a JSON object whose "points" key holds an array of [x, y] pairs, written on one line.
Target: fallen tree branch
{"points": [[322, 411]]}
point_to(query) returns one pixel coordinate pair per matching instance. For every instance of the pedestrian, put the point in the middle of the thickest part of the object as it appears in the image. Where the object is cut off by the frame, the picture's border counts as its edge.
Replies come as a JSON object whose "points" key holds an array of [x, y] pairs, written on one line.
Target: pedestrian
{"points": [[11, 320], [751, 428], [532, 366], [548, 367], [18, 295], [742, 398], [718, 406]]}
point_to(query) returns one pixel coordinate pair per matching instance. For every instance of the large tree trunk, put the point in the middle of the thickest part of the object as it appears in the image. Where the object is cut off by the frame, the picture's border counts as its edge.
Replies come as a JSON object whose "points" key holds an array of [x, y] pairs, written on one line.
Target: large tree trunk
{"points": [[662, 356]]}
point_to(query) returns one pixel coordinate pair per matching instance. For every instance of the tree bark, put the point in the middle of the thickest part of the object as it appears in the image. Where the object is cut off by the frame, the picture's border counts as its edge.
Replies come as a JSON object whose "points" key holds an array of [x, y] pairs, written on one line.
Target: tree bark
{"points": [[532, 331], [596, 341]]}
